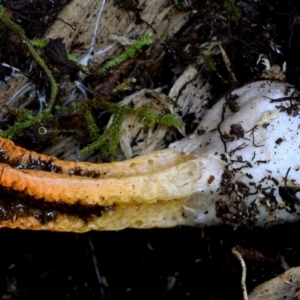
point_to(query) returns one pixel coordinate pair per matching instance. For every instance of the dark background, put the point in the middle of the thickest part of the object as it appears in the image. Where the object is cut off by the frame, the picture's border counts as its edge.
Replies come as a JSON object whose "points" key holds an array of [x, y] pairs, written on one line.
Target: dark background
{"points": [[178, 263]]}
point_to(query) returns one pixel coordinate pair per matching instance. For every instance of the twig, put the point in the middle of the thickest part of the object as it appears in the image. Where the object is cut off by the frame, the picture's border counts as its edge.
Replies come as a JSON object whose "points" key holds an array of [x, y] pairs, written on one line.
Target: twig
{"points": [[244, 271], [227, 64]]}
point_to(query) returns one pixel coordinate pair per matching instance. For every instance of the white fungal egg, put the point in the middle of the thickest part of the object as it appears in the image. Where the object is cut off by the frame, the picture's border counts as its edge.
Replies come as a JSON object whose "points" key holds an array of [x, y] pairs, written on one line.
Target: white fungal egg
{"points": [[250, 148]]}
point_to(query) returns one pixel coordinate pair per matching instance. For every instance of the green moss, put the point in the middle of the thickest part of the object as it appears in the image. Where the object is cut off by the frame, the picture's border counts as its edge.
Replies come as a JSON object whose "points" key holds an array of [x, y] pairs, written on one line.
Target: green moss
{"points": [[74, 59], [39, 43], [108, 141], [24, 119], [91, 125], [43, 43], [232, 9], [7, 22], [208, 60], [129, 53]]}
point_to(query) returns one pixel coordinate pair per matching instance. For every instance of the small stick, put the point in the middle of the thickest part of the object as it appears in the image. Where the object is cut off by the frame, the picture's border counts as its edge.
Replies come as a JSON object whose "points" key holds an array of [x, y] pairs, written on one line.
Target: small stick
{"points": [[227, 64], [244, 271]]}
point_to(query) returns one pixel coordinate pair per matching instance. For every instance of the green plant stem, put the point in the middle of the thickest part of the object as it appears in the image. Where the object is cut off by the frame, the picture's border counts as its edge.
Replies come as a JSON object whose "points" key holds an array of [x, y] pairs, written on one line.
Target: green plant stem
{"points": [[21, 34]]}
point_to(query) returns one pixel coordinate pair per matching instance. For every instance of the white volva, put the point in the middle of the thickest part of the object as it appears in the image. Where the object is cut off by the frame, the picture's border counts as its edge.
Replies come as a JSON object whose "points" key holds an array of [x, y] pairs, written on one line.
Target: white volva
{"points": [[250, 148]]}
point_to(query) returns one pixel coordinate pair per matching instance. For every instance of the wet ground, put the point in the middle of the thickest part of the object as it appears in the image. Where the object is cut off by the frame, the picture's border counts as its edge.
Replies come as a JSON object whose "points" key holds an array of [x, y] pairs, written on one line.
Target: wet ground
{"points": [[178, 263]]}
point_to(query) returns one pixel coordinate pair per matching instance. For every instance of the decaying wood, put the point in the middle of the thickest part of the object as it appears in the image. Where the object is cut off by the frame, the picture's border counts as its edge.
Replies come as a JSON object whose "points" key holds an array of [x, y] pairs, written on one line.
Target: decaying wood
{"points": [[90, 41], [285, 286], [114, 21]]}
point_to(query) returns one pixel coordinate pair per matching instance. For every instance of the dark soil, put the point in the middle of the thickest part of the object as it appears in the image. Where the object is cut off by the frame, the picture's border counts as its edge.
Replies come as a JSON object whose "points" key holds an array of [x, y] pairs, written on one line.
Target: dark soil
{"points": [[178, 263]]}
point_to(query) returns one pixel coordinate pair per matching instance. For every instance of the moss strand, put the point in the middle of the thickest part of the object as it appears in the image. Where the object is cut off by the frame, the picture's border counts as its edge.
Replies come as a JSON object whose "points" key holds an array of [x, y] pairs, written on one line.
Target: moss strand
{"points": [[21, 34]]}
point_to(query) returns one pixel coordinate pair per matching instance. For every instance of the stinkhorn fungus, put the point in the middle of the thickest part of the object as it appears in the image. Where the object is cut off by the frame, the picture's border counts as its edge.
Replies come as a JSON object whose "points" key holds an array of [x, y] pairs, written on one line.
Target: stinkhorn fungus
{"points": [[242, 168]]}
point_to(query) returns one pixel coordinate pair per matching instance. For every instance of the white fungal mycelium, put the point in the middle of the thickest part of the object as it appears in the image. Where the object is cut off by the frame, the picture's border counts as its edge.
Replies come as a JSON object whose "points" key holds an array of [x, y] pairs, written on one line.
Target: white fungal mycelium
{"points": [[249, 144]]}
